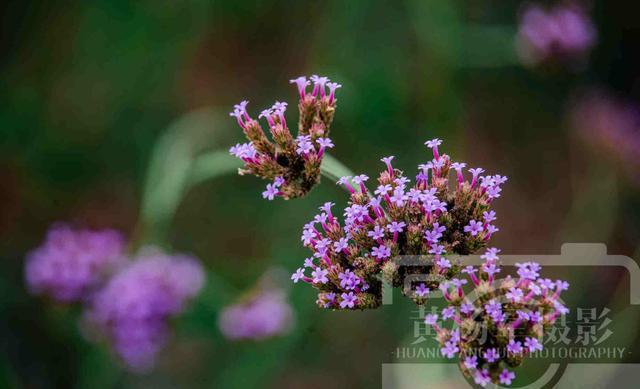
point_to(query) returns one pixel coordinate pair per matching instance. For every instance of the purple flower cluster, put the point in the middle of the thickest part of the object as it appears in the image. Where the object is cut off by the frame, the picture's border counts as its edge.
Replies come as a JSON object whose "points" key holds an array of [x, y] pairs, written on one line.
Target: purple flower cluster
{"points": [[500, 321], [263, 315], [428, 219], [292, 163], [71, 264], [564, 32], [610, 125], [128, 302], [134, 308]]}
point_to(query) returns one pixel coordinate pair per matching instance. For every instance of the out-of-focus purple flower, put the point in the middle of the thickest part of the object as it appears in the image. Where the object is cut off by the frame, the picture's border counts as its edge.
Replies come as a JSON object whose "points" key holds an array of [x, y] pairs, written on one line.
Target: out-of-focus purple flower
{"points": [[133, 310], [70, 263], [564, 32], [610, 126], [264, 315]]}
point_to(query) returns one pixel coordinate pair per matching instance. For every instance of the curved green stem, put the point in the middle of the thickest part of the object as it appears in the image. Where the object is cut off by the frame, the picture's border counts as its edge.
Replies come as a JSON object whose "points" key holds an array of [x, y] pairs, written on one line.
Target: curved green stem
{"points": [[333, 169], [176, 165], [213, 164]]}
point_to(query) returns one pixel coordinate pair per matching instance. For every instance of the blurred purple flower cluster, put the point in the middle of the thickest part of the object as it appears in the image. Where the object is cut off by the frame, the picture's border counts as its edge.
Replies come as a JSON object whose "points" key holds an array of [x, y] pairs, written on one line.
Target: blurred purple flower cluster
{"points": [[564, 32], [500, 321], [263, 315], [133, 309], [610, 125], [292, 163], [129, 302], [430, 219], [70, 264]]}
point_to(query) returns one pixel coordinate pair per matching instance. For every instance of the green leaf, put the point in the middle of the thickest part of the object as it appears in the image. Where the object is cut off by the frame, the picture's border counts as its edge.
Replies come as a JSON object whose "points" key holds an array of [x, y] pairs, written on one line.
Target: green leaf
{"points": [[171, 171], [211, 165]]}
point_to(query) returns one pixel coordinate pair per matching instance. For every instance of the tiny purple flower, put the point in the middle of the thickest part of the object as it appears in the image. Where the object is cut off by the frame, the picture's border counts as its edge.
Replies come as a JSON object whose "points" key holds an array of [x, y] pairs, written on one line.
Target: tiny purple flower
{"points": [[449, 350], [381, 252], [532, 344], [302, 84], [482, 377], [340, 244], [387, 161], [474, 228], [377, 233], [271, 192], [506, 377], [448, 312], [489, 216], [491, 355], [433, 144], [515, 295], [320, 276], [471, 362], [298, 275], [348, 300], [514, 347], [332, 90], [431, 319], [422, 290], [467, 309], [396, 226]]}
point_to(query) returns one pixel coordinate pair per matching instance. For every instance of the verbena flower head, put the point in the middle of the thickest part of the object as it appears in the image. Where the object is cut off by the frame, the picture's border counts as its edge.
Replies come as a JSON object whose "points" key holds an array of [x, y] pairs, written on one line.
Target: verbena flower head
{"points": [[263, 315], [133, 310], [429, 218], [501, 321], [70, 263], [564, 32], [292, 163]]}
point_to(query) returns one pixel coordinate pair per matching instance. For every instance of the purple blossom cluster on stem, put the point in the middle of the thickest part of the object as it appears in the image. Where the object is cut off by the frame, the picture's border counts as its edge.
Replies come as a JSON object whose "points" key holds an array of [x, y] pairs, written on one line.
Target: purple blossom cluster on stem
{"points": [[499, 322], [292, 164], [429, 219], [561, 33]]}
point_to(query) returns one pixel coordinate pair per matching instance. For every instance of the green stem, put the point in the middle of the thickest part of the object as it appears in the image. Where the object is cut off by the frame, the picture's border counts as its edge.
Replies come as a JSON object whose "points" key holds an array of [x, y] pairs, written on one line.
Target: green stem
{"points": [[211, 165], [333, 169]]}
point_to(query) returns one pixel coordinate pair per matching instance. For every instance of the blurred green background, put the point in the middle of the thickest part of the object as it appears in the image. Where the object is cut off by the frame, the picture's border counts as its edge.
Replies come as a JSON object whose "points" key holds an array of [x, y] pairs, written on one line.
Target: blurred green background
{"points": [[87, 89]]}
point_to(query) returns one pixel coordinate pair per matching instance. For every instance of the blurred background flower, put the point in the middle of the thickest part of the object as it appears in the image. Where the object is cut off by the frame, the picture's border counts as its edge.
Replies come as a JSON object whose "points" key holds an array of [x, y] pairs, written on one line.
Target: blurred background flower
{"points": [[610, 126], [71, 264], [133, 310], [264, 312], [564, 32]]}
